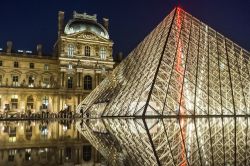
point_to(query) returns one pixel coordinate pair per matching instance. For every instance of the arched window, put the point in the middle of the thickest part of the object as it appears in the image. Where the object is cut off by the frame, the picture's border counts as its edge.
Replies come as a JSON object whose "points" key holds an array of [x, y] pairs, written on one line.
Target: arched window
{"points": [[103, 53], [87, 51], [70, 82], [87, 82], [70, 50]]}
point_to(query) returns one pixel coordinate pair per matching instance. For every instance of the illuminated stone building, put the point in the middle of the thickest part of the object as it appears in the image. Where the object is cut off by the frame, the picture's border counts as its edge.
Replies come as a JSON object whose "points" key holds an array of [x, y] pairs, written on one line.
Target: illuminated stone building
{"points": [[181, 97], [33, 82]]}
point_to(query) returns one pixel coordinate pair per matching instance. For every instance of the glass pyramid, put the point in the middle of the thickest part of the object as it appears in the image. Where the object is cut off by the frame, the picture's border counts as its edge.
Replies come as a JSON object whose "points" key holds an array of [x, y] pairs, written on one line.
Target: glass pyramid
{"points": [[181, 97]]}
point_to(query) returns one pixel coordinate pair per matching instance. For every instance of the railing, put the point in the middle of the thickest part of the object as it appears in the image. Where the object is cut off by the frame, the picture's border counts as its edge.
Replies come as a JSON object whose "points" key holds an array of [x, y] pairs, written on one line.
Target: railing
{"points": [[29, 87]]}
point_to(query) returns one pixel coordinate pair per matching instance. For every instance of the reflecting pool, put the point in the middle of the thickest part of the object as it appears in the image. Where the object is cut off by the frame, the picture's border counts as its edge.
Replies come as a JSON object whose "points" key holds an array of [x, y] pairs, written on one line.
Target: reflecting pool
{"points": [[45, 143]]}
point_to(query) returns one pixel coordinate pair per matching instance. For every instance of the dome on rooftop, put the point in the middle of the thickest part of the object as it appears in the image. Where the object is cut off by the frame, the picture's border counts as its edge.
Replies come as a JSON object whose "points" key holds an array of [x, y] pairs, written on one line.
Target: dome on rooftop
{"points": [[84, 22]]}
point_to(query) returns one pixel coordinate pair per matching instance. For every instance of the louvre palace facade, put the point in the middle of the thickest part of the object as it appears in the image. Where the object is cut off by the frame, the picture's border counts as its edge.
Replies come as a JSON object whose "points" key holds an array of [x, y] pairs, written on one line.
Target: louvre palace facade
{"points": [[32, 82]]}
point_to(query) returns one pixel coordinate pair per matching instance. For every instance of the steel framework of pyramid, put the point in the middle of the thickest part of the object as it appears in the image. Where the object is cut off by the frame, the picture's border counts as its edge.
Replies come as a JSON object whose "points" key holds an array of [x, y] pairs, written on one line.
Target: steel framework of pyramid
{"points": [[181, 97]]}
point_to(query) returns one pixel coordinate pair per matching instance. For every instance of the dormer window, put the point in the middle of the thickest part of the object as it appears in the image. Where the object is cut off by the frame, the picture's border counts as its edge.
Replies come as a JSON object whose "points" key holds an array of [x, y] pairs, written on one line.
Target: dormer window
{"points": [[87, 51], [103, 53], [70, 50]]}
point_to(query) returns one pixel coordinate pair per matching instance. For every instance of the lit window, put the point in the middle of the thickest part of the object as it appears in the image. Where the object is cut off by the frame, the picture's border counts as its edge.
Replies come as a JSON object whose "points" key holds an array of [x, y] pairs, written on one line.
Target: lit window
{"points": [[27, 154], [46, 67], [16, 65], [45, 102], [30, 102], [1, 63], [32, 66], [103, 53], [46, 82], [70, 82], [70, 50], [14, 101], [87, 82], [86, 152], [87, 51], [15, 81], [11, 156], [31, 81]]}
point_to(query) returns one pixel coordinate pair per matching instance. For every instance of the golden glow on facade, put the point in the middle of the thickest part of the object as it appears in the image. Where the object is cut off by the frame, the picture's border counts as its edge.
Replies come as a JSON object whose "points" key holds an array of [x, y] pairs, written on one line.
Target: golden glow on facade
{"points": [[40, 83]]}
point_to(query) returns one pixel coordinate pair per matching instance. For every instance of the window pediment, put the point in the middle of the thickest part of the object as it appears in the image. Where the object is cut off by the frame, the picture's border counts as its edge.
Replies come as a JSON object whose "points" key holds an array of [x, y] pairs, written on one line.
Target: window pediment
{"points": [[16, 72]]}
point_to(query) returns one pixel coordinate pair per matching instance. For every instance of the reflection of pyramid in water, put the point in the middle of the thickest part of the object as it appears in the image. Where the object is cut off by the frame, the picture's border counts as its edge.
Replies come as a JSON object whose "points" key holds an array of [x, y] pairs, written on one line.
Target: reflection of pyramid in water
{"points": [[194, 81]]}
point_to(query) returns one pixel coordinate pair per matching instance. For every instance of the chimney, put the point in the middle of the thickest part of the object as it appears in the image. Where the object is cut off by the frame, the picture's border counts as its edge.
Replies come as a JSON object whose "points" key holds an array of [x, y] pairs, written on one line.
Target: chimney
{"points": [[39, 49], [9, 46], [60, 22], [106, 23], [120, 57]]}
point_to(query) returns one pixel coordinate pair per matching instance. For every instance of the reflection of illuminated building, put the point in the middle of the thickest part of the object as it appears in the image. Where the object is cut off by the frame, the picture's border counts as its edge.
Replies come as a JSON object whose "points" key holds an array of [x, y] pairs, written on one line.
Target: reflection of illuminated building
{"points": [[181, 97], [34, 83], [42, 143]]}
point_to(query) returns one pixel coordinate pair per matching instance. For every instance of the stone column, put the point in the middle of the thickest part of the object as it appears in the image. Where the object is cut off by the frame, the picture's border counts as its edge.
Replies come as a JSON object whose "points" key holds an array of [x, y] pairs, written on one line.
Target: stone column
{"points": [[65, 79], [81, 80], [78, 79], [22, 102], [62, 79], [96, 79], [38, 103], [60, 103]]}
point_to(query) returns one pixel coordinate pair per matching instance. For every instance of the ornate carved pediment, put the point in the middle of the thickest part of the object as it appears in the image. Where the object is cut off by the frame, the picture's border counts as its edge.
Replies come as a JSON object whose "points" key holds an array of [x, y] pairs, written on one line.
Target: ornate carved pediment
{"points": [[29, 73], [90, 36]]}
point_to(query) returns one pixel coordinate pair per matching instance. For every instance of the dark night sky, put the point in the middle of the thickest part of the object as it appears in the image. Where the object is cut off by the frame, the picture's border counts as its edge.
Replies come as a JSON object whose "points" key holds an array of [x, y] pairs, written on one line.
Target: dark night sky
{"points": [[29, 22]]}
